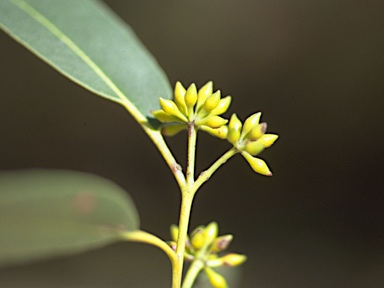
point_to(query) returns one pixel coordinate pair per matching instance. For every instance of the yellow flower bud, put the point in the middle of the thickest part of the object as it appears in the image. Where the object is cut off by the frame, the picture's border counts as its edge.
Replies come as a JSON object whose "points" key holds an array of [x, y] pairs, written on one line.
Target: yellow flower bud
{"points": [[258, 165], [210, 233], [215, 278], [220, 132], [179, 97], [171, 108], [221, 243], [191, 96], [233, 259], [165, 117], [212, 101], [268, 139], [234, 129], [174, 229], [198, 238], [257, 132], [223, 106], [254, 148], [212, 121], [251, 122], [172, 130], [203, 94]]}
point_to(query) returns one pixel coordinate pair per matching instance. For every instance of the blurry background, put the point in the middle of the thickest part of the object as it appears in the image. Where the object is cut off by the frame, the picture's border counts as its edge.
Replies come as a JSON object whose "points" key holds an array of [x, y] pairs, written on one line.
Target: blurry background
{"points": [[314, 68]]}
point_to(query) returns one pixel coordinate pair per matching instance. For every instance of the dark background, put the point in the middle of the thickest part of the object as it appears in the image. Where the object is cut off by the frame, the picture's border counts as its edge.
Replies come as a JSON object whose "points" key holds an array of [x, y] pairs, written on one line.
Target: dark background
{"points": [[314, 68]]}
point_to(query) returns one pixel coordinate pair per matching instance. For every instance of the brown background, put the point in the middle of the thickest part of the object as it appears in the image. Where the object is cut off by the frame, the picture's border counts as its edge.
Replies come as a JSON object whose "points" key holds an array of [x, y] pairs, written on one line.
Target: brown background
{"points": [[314, 68]]}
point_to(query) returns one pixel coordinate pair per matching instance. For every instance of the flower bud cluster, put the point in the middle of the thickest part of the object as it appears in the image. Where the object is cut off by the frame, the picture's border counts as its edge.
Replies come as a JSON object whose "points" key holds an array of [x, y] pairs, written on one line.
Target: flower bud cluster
{"points": [[201, 107], [250, 140], [204, 244]]}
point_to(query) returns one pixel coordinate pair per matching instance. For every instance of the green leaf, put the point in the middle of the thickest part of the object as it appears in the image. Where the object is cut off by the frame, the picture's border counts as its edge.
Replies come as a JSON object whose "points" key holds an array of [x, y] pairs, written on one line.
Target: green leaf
{"points": [[48, 213], [87, 43]]}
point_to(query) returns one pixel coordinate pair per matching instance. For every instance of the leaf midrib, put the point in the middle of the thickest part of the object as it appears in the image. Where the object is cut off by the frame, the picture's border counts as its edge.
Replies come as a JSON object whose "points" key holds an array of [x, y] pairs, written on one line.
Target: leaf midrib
{"points": [[45, 22]]}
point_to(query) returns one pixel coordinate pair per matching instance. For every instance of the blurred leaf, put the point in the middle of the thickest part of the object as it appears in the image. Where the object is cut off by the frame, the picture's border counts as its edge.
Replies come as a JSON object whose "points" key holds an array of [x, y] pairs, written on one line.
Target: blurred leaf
{"points": [[87, 43], [46, 213]]}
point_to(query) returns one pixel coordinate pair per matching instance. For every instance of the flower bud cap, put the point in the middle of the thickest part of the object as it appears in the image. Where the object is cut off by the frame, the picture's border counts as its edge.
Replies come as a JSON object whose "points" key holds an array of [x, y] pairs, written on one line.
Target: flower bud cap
{"points": [[191, 96]]}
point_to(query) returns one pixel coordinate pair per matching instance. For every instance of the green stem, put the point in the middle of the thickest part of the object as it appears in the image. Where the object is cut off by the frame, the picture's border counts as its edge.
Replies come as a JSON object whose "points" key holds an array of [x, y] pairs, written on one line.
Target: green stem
{"points": [[185, 212], [186, 206], [145, 237], [192, 138], [205, 175], [192, 273]]}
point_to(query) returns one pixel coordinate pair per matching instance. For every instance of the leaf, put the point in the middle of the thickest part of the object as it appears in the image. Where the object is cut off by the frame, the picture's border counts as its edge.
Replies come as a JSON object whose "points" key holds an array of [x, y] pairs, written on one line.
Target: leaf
{"points": [[47, 213], [87, 43]]}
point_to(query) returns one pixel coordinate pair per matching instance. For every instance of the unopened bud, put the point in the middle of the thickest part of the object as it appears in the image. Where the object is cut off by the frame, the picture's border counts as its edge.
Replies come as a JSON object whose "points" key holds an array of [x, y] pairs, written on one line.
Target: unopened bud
{"points": [[257, 132], [171, 108], [210, 233], [179, 97], [234, 129], [223, 106], [203, 94], [221, 243], [251, 122], [254, 148], [191, 96], [212, 121], [174, 229], [198, 238], [212, 101], [215, 278], [220, 132], [258, 165], [268, 139], [164, 117], [230, 260]]}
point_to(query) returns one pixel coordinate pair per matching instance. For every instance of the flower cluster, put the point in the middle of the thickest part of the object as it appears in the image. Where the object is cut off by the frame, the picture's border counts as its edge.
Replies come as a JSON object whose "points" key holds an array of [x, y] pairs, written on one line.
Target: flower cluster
{"points": [[250, 140], [205, 245], [202, 109]]}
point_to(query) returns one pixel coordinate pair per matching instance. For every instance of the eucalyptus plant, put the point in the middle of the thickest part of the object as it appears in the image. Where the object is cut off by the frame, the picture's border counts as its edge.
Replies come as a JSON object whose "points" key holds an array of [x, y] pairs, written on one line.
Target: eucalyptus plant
{"points": [[64, 212]]}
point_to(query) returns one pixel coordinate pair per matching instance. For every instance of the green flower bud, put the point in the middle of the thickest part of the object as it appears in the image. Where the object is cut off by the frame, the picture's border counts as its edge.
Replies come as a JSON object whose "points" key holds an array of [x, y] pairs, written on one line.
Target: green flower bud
{"points": [[203, 94], [210, 233], [171, 108], [257, 132], [220, 132], [254, 148], [251, 122], [212, 121], [268, 139], [172, 130], [179, 97], [258, 165], [223, 106], [234, 129], [221, 243], [191, 96], [215, 278], [212, 101], [165, 117]]}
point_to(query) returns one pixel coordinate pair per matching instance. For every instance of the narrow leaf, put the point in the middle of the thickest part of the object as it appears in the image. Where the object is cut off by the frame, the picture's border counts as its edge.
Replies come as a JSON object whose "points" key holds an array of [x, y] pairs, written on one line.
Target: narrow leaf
{"points": [[49, 213], [87, 43]]}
